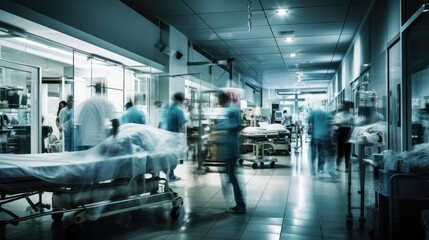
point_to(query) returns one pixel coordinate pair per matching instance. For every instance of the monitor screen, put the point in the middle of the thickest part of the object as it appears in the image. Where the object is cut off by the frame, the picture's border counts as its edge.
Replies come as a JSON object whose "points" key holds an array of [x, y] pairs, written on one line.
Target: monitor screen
{"points": [[278, 115]]}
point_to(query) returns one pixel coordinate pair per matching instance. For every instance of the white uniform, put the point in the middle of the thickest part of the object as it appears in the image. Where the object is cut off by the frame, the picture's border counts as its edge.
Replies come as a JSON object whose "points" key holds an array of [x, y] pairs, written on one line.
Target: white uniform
{"points": [[91, 121]]}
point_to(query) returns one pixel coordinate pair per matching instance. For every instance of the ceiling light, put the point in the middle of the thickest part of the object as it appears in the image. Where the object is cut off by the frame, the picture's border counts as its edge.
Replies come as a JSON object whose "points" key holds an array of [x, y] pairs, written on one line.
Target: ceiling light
{"points": [[293, 54], [289, 39], [281, 12]]}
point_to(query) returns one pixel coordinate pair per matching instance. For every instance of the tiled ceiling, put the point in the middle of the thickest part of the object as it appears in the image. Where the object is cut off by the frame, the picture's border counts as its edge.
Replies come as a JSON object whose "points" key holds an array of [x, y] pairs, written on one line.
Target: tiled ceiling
{"points": [[322, 31]]}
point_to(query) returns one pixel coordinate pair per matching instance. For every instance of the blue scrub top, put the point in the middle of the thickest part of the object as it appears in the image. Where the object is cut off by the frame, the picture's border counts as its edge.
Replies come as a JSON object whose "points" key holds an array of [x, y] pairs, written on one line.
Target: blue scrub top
{"points": [[229, 147], [133, 115], [173, 118], [321, 124]]}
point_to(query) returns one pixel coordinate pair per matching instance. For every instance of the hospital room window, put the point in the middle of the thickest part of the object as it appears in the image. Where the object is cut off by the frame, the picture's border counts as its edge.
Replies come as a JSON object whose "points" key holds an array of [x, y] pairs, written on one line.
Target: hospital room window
{"points": [[137, 89], [90, 70], [418, 76]]}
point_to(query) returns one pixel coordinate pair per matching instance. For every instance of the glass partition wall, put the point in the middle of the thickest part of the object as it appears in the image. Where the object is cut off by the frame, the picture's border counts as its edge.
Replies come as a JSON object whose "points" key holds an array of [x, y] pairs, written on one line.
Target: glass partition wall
{"points": [[417, 76], [29, 114]]}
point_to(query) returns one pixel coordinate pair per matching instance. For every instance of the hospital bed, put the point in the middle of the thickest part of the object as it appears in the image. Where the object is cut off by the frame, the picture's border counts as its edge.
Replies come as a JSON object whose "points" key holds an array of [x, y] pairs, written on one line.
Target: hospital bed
{"points": [[120, 174], [271, 136]]}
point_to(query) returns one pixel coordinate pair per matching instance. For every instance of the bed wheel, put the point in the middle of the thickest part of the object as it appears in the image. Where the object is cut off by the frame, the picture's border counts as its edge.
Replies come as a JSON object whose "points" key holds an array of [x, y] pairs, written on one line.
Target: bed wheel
{"points": [[240, 161], [254, 165], [175, 213], [57, 216], [261, 163], [74, 230], [272, 164]]}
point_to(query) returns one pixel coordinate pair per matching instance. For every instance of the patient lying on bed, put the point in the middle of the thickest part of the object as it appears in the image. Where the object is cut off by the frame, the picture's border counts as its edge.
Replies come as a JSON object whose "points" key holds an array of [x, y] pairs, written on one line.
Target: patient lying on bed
{"points": [[163, 145], [135, 150]]}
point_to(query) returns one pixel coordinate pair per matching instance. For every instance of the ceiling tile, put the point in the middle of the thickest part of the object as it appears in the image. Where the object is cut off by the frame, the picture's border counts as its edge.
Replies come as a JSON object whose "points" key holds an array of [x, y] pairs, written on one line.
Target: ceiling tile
{"points": [[262, 57], [244, 33], [186, 22], [160, 9], [256, 50], [233, 19], [220, 6], [311, 29], [276, 4], [259, 42], [315, 40], [357, 11], [335, 13], [308, 48], [323, 33]]}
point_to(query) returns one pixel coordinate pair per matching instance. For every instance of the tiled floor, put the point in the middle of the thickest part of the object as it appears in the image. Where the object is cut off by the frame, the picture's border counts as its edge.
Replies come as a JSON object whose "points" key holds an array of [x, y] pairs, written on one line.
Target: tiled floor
{"points": [[284, 202]]}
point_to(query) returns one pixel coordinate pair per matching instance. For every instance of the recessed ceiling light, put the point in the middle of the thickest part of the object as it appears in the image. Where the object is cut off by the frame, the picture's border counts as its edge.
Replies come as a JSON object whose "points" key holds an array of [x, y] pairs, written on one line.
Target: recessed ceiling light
{"points": [[289, 39], [281, 12], [293, 54]]}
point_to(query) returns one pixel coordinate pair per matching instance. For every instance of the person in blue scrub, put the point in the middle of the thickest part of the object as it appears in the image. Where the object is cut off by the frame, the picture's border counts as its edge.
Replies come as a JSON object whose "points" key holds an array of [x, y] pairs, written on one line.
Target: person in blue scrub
{"points": [[228, 148], [173, 120], [132, 115], [320, 122], [66, 122]]}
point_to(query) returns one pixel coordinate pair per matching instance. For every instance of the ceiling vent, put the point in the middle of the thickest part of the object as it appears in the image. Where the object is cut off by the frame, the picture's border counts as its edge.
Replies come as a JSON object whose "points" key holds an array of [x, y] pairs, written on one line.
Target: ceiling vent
{"points": [[286, 33]]}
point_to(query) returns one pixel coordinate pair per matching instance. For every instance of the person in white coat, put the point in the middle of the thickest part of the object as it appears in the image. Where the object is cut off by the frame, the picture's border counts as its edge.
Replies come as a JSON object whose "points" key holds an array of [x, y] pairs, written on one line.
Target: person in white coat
{"points": [[93, 115]]}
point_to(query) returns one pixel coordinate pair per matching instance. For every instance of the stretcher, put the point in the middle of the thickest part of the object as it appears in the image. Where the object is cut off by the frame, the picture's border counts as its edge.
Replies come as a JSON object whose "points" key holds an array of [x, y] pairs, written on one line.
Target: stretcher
{"points": [[120, 174], [272, 136]]}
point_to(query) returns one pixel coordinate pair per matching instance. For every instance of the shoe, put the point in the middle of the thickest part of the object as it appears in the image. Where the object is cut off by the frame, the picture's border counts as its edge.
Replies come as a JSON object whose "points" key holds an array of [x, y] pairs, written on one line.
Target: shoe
{"points": [[320, 171], [337, 169], [236, 209], [175, 178]]}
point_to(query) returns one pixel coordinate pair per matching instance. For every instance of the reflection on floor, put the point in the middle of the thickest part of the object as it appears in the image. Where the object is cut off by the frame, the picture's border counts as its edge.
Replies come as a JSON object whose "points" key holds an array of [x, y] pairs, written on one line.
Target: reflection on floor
{"points": [[284, 202]]}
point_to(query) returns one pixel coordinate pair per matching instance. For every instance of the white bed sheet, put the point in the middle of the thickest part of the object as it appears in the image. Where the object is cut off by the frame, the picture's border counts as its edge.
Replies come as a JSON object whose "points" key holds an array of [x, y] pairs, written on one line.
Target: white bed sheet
{"points": [[268, 131], [136, 150]]}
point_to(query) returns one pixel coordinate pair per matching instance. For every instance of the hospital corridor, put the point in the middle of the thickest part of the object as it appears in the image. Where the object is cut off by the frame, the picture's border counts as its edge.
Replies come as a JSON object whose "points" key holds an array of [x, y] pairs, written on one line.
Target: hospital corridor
{"points": [[285, 202], [214, 119]]}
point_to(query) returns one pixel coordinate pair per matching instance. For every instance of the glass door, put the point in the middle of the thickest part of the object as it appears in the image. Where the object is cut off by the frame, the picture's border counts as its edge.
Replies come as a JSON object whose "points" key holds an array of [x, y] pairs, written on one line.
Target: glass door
{"points": [[395, 93], [417, 76], [20, 108]]}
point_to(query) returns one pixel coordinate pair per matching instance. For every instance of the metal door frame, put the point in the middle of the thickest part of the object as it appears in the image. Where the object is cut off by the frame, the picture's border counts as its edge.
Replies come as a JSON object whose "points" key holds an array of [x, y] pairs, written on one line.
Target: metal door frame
{"points": [[36, 117]]}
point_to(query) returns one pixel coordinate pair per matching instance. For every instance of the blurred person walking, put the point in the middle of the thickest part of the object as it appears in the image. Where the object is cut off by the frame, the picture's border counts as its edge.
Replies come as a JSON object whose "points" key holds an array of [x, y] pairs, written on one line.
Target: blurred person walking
{"points": [[66, 123], [286, 120], [91, 120], [174, 120], [132, 115], [228, 148], [343, 124], [319, 122]]}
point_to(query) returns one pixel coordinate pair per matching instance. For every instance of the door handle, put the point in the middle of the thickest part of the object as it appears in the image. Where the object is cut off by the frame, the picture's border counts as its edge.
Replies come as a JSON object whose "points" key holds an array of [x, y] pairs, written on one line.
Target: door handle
{"points": [[398, 105]]}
